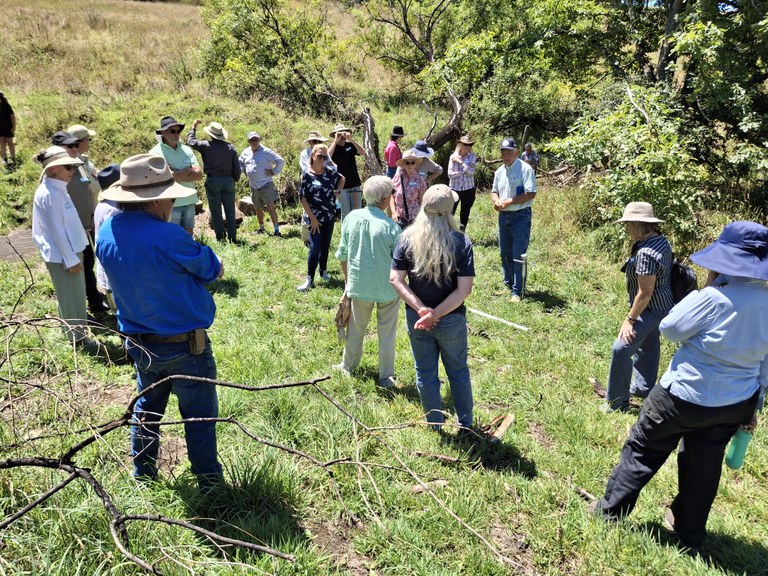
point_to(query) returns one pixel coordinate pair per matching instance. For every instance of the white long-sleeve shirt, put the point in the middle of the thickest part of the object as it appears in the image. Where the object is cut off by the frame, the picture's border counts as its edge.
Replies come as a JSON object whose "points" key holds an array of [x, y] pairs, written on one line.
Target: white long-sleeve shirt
{"points": [[56, 226]]}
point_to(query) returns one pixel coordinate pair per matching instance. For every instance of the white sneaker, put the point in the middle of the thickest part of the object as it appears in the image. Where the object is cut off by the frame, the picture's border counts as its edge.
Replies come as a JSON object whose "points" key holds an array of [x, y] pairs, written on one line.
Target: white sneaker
{"points": [[340, 368], [324, 275], [306, 285]]}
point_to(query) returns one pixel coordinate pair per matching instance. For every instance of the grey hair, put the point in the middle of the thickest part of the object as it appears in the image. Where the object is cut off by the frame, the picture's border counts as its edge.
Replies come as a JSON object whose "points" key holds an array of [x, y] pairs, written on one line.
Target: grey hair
{"points": [[432, 246], [376, 189]]}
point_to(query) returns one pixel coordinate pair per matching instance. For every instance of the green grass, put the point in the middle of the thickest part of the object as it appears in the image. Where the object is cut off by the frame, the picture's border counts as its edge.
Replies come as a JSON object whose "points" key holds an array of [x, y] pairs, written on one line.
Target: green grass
{"points": [[521, 495]]}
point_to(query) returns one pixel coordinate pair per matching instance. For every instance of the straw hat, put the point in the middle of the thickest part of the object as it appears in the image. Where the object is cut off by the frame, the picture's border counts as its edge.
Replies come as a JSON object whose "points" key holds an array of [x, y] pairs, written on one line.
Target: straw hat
{"points": [[740, 250], [339, 128], [143, 178], [466, 140], [216, 130], [315, 136], [639, 212], [439, 199], [409, 155]]}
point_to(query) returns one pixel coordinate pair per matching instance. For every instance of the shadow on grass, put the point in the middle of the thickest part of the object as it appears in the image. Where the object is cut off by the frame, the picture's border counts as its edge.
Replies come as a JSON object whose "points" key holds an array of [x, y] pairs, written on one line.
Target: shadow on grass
{"points": [[257, 504], [549, 300], [720, 551], [499, 457], [227, 286]]}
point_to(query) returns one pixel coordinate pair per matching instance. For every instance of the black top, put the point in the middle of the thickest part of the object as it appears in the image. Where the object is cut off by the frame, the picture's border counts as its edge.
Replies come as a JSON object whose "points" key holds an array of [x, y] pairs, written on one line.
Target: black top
{"points": [[344, 157], [219, 157], [5, 116]]}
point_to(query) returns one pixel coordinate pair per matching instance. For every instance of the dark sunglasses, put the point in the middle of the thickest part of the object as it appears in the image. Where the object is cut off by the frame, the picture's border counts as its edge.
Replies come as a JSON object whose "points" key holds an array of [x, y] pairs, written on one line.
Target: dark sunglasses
{"points": [[321, 156], [173, 131], [410, 163], [68, 168], [72, 145]]}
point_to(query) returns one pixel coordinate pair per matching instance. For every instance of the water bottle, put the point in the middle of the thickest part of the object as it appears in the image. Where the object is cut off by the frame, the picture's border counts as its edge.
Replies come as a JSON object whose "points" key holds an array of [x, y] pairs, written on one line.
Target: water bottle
{"points": [[734, 458]]}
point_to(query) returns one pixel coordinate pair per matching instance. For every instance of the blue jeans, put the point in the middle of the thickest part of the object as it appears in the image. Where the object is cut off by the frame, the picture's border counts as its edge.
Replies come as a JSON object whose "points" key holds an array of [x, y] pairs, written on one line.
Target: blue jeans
{"points": [[514, 235], [447, 340], [196, 400], [319, 246], [184, 216], [220, 190], [391, 171], [639, 358]]}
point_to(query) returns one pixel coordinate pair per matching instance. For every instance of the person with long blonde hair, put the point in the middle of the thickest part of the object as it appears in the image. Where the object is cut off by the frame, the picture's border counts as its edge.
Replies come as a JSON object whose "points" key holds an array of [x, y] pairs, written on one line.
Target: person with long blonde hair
{"points": [[437, 260]]}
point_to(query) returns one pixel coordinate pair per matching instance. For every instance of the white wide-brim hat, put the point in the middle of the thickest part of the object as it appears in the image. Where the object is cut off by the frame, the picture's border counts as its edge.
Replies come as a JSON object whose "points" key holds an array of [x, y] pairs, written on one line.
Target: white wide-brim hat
{"points": [[639, 212], [217, 131]]}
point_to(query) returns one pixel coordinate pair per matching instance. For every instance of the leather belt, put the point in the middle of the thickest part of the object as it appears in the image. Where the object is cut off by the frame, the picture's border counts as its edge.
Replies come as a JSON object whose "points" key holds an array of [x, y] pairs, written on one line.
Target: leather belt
{"points": [[165, 339]]}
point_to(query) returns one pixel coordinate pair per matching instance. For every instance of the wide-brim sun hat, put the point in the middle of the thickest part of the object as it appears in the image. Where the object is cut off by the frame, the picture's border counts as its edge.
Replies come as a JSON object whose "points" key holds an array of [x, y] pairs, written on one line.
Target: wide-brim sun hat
{"points": [[466, 140], [639, 212], [315, 136], [57, 156], [216, 130], [740, 250], [143, 178], [439, 199], [339, 128], [409, 155], [168, 122], [81, 132], [422, 150]]}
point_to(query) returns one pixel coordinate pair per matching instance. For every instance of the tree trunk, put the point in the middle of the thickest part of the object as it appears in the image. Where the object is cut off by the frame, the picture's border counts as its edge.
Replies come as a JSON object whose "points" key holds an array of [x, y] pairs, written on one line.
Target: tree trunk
{"points": [[370, 142], [453, 128], [664, 49]]}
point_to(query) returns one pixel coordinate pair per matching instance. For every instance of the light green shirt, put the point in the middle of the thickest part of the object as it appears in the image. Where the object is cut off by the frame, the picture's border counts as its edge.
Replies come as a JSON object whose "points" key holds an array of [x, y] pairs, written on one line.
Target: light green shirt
{"points": [[179, 158], [368, 239]]}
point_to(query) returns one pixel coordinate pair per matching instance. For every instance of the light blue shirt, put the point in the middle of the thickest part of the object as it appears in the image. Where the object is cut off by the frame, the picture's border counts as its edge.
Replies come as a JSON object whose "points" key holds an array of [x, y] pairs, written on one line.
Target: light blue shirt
{"points": [[179, 158], [304, 161], [723, 335], [368, 240], [513, 180], [255, 165]]}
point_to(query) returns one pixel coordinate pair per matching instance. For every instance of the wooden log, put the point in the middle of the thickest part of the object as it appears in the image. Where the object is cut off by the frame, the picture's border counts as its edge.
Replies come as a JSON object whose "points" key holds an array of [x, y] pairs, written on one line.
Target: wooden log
{"points": [[505, 425]]}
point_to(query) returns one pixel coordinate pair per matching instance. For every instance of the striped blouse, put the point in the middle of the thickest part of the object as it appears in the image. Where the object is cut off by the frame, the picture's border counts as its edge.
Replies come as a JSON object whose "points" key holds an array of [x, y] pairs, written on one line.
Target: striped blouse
{"points": [[651, 257]]}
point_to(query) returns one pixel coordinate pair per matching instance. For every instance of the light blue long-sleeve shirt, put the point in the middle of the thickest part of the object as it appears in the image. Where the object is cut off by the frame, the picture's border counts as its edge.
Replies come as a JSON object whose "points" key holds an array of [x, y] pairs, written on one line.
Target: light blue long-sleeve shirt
{"points": [[255, 165], [723, 335]]}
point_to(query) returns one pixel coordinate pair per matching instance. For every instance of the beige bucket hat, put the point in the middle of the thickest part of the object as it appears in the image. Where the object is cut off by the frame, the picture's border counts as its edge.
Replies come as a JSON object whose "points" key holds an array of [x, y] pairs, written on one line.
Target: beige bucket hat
{"points": [[315, 136], [639, 212], [217, 131], [79, 131], [143, 178]]}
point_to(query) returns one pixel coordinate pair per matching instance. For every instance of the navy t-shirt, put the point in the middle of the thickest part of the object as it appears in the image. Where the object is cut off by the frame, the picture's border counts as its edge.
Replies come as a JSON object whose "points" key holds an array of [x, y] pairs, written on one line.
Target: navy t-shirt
{"points": [[431, 293], [344, 157], [320, 192]]}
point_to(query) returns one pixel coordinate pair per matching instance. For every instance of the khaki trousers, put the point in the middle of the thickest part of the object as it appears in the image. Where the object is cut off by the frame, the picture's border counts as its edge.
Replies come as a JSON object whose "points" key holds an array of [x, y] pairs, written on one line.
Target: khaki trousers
{"points": [[386, 329]]}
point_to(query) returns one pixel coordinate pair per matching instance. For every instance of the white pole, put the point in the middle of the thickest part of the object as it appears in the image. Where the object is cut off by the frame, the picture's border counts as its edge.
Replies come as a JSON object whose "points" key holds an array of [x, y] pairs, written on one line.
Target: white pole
{"points": [[507, 322]]}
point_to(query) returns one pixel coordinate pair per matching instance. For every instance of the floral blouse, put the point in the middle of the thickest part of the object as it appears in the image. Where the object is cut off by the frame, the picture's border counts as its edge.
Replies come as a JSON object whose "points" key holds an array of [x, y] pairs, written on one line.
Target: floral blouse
{"points": [[407, 194]]}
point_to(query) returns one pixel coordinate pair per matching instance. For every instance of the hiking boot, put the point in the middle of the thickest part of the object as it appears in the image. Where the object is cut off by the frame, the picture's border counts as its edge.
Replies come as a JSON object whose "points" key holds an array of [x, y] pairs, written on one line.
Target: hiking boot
{"points": [[324, 275]]}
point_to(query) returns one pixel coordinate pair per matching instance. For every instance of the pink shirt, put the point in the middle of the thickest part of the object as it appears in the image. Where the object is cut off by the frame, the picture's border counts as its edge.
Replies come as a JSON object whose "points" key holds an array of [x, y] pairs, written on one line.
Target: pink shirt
{"points": [[407, 189], [392, 154]]}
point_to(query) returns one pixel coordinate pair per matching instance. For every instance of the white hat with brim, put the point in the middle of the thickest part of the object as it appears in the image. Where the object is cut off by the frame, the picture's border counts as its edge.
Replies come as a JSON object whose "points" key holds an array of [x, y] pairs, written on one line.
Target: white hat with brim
{"points": [[79, 131], [439, 199], [315, 136], [339, 128], [409, 156], [216, 130], [144, 178], [56, 156], [639, 212]]}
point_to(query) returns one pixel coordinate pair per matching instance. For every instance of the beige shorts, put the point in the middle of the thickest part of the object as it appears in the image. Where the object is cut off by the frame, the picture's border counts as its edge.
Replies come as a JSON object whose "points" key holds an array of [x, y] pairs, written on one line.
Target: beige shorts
{"points": [[267, 194]]}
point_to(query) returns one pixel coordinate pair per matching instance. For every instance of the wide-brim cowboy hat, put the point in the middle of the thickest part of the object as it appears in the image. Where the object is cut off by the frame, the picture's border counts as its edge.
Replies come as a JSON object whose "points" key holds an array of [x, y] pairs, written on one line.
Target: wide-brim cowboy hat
{"points": [[639, 212], [409, 156], [143, 178], [740, 250], [339, 128], [466, 140], [315, 136], [216, 130]]}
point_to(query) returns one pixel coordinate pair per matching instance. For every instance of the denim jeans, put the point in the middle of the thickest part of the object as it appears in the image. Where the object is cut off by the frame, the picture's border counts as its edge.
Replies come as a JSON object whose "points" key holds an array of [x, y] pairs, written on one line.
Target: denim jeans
{"points": [[319, 246], [220, 191], [196, 400], [391, 171], [184, 216], [447, 340], [351, 199], [514, 235], [639, 358], [663, 422]]}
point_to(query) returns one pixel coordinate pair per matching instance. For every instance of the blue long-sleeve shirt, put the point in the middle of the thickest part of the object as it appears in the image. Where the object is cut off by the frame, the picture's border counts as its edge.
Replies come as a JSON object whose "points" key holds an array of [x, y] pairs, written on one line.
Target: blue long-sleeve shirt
{"points": [[255, 165], [723, 335]]}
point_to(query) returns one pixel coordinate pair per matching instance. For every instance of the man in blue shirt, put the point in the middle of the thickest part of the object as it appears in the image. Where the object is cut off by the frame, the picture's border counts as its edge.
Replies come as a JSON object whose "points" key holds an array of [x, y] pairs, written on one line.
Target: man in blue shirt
{"points": [[714, 384], [158, 275], [514, 188], [260, 165]]}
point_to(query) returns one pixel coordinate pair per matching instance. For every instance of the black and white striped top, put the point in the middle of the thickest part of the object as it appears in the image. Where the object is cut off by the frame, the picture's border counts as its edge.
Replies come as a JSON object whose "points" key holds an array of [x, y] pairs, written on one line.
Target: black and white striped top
{"points": [[651, 257]]}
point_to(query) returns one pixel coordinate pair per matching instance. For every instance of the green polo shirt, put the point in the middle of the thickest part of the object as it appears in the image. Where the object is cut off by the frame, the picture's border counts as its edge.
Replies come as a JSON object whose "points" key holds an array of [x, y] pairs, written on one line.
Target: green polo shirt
{"points": [[179, 158], [368, 239]]}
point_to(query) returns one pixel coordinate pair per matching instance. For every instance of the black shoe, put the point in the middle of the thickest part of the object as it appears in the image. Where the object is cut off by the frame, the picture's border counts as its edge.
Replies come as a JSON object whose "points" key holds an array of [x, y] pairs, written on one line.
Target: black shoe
{"points": [[98, 306]]}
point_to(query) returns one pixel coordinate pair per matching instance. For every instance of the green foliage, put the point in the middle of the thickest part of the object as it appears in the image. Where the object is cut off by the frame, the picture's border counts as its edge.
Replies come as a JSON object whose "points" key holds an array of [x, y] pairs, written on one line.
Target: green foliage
{"points": [[639, 151]]}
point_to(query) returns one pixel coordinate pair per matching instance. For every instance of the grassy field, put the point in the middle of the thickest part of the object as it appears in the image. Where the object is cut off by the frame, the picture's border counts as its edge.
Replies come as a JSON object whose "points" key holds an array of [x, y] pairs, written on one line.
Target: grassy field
{"points": [[518, 498]]}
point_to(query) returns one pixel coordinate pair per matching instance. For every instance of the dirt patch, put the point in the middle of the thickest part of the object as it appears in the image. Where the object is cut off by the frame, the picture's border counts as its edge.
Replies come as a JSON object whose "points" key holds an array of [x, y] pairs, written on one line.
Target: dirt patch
{"points": [[513, 546], [334, 539], [540, 435]]}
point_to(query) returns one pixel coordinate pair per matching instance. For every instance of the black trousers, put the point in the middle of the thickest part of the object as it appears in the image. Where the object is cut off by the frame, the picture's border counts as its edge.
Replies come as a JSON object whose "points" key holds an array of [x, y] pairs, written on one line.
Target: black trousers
{"points": [[467, 199], [663, 422], [92, 293]]}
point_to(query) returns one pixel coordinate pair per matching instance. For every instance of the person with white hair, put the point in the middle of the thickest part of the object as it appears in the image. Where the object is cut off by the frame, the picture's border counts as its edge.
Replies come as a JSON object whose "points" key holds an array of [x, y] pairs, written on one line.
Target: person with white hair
{"points": [[60, 236], [438, 262], [368, 240]]}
